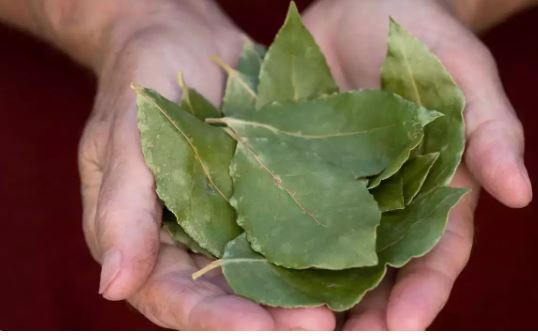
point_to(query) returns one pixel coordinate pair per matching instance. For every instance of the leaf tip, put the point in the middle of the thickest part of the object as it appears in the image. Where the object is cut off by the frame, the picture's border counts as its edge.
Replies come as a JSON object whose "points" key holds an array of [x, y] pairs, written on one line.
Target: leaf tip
{"points": [[393, 24], [137, 88], [293, 13]]}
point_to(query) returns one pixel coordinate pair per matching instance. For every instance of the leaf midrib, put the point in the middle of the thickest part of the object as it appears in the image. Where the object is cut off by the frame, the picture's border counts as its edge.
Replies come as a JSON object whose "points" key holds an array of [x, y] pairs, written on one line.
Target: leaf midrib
{"points": [[276, 179], [197, 156], [414, 86], [300, 134]]}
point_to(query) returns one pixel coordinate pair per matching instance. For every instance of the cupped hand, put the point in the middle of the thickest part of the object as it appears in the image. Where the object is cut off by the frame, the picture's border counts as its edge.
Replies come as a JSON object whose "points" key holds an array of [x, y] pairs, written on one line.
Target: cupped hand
{"points": [[353, 36], [122, 214]]}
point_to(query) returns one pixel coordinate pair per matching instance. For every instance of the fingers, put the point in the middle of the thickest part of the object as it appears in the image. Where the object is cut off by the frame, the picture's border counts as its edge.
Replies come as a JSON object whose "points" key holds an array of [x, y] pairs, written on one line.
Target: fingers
{"points": [[371, 313], [127, 218], [171, 298], [495, 157], [320, 318], [423, 286], [495, 137]]}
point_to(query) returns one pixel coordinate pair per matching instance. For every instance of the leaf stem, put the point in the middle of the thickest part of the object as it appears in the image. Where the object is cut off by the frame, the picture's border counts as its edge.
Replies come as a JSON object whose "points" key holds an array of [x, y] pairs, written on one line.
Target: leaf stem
{"points": [[220, 62], [215, 121], [208, 268]]}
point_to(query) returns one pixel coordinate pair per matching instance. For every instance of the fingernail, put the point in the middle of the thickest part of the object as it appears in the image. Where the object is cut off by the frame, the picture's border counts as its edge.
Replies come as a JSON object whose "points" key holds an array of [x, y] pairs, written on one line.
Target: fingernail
{"points": [[110, 269]]}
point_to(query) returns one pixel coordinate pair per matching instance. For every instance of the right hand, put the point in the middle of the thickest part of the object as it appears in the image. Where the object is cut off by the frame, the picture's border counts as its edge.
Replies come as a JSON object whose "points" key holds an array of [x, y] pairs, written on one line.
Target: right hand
{"points": [[122, 214]]}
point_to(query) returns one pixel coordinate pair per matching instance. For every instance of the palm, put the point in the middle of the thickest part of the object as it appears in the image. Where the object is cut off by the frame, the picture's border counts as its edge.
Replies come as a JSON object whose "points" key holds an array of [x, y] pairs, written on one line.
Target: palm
{"points": [[353, 36], [121, 209]]}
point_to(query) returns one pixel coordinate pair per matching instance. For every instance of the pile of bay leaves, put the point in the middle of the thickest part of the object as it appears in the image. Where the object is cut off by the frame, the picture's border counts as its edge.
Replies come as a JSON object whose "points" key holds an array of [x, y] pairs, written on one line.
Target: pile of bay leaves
{"points": [[304, 194]]}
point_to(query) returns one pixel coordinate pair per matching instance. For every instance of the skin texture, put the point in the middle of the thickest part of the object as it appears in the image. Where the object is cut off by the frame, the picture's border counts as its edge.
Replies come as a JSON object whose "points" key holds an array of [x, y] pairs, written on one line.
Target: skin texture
{"points": [[147, 42]]}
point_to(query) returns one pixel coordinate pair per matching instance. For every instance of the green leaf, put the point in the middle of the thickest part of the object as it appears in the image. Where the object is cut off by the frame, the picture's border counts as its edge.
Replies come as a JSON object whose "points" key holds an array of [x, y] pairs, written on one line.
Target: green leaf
{"points": [[414, 173], [341, 129], [251, 60], [190, 161], [195, 103], [179, 235], [390, 194], [286, 202], [413, 72], [414, 231], [240, 96], [425, 117], [252, 276], [294, 68]]}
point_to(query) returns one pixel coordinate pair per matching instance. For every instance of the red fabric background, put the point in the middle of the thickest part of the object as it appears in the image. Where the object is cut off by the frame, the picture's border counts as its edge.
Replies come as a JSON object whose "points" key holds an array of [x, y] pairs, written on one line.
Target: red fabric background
{"points": [[48, 279]]}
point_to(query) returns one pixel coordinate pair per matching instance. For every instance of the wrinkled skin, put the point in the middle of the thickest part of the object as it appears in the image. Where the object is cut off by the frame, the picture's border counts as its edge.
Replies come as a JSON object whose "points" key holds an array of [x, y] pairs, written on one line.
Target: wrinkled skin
{"points": [[122, 212]]}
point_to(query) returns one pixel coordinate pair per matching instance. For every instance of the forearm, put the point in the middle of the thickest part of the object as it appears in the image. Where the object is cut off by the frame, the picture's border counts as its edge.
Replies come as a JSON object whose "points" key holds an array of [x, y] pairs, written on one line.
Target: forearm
{"points": [[482, 14]]}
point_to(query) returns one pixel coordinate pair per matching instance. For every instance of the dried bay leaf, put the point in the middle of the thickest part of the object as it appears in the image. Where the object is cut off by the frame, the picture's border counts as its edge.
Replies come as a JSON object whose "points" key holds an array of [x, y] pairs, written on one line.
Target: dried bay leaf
{"points": [[294, 68], [361, 132], [189, 160], [251, 60], [242, 83], [285, 201], [415, 73], [390, 194], [240, 95], [425, 117], [415, 230], [196, 104], [414, 173], [250, 275], [400, 189], [179, 235]]}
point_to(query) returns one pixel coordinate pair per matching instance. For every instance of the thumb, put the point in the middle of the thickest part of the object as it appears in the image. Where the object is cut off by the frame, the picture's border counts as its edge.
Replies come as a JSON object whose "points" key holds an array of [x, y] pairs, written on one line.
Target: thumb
{"points": [[128, 216], [494, 153]]}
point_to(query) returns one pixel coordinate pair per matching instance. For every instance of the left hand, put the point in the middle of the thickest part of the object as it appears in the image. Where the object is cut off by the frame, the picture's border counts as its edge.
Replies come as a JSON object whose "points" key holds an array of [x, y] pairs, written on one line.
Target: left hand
{"points": [[352, 35]]}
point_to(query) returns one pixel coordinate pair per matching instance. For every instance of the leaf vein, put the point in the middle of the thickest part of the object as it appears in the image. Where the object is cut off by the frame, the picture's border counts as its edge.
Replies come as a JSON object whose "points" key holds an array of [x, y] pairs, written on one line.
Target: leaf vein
{"points": [[197, 156]]}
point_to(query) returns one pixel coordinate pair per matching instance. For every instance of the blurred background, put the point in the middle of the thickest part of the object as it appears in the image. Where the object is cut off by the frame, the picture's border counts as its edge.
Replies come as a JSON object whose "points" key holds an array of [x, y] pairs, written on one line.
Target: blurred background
{"points": [[48, 280]]}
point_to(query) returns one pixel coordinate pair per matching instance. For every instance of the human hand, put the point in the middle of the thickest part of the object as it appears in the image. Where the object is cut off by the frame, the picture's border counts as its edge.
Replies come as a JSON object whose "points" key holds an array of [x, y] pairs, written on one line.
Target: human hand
{"points": [[122, 214], [352, 34]]}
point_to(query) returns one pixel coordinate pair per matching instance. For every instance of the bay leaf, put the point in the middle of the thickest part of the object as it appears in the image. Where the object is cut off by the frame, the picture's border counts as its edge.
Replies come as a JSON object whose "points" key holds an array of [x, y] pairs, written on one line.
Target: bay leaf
{"points": [[415, 73], [414, 173], [361, 132], [240, 95], [250, 275], [196, 104], [415, 230], [390, 194], [179, 235], [251, 60], [294, 68], [285, 201], [189, 160], [425, 117]]}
